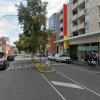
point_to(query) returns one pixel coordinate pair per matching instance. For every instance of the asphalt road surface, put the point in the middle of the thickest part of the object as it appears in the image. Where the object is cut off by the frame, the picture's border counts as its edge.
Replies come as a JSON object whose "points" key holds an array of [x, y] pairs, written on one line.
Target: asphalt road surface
{"points": [[22, 81]]}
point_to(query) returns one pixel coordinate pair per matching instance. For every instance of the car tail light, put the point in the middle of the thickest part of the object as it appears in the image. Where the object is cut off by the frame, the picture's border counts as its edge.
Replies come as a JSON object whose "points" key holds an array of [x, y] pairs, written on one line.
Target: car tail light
{"points": [[3, 64]]}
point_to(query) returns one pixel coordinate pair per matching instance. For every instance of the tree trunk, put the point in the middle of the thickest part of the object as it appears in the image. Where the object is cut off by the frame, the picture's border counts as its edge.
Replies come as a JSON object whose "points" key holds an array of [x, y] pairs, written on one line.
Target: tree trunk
{"points": [[40, 56]]}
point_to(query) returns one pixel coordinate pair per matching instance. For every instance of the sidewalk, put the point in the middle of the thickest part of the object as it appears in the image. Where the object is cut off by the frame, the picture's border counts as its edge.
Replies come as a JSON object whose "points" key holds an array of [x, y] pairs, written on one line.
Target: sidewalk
{"points": [[83, 63]]}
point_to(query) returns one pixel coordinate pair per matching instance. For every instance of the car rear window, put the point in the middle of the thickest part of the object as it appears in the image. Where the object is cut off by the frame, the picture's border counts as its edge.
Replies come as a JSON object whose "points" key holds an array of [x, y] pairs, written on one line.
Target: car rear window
{"points": [[1, 62]]}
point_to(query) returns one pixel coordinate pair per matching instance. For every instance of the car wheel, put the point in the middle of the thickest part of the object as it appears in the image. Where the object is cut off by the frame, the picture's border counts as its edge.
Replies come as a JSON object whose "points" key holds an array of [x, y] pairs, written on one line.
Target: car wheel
{"points": [[61, 61]]}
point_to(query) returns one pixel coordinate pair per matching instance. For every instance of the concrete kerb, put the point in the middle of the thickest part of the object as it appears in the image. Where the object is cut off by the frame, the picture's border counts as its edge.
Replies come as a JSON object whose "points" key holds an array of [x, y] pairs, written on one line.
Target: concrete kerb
{"points": [[41, 70], [86, 65]]}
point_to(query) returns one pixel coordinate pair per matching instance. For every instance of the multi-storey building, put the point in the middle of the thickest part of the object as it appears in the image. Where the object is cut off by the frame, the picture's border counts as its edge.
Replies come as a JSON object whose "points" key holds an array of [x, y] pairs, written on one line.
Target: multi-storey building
{"points": [[62, 29], [83, 29], [6, 38], [4, 48], [52, 23], [52, 26]]}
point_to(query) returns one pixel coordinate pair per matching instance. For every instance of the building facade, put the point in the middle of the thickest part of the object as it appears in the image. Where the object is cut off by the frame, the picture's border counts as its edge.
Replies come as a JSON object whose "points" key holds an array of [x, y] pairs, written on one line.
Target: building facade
{"points": [[52, 23], [5, 49], [62, 30], [51, 46], [6, 38], [2, 48], [83, 29]]}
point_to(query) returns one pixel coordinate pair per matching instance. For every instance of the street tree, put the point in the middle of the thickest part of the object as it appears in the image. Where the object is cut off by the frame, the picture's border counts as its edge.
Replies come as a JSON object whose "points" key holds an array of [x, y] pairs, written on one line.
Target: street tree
{"points": [[18, 45], [32, 17]]}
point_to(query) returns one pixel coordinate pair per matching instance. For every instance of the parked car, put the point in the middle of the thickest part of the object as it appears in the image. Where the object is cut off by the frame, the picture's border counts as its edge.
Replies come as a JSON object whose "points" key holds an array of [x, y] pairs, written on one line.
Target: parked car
{"points": [[57, 57], [53, 57], [3, 64], [65, 58], [10, 58], [49, 57], [62, 58]]}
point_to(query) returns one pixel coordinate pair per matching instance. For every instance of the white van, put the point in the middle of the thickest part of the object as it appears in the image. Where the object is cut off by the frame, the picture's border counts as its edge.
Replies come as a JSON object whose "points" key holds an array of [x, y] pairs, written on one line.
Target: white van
{"points": [[58, 57], [62, 58]]}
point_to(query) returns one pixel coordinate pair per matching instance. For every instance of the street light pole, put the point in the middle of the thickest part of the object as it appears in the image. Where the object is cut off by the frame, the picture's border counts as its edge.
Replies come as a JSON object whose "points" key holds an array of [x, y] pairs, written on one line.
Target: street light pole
{"points": [[7, 15]]}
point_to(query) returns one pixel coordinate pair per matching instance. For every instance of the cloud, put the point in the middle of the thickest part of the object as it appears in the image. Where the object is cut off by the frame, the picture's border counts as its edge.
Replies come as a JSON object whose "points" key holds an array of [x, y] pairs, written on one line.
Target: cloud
{"points": [[9, 25], [54, 6]]}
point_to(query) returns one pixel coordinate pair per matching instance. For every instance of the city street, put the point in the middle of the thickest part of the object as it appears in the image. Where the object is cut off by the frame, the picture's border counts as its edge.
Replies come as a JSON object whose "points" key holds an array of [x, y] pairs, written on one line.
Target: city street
{"points": [[22, 81]]}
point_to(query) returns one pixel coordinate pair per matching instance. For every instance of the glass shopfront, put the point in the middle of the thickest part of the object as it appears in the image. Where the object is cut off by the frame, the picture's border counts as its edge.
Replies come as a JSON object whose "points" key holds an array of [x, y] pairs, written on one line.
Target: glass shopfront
{"points": [[86, 51]]}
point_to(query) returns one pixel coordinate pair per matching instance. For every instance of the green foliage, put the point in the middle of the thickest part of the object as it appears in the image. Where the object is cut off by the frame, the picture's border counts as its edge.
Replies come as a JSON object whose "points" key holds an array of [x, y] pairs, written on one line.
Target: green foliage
{"points": [[34, 61], [43, 68], [33, 20], [18, 45]]}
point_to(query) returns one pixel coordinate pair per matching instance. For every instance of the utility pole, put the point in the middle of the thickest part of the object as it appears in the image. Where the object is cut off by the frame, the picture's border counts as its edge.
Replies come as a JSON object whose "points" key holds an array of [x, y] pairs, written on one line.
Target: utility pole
{"points": [[7, 15]]}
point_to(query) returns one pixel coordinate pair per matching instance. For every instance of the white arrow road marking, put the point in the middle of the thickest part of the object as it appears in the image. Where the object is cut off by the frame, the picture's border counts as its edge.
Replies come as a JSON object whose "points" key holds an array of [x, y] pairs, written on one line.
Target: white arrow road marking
{"points": [[54, 88], [67, 84], [19, 66]]}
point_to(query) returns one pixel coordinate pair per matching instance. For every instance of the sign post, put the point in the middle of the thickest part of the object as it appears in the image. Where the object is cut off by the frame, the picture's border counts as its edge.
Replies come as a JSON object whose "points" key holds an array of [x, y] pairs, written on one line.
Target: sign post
{"points": [[47, 63]]}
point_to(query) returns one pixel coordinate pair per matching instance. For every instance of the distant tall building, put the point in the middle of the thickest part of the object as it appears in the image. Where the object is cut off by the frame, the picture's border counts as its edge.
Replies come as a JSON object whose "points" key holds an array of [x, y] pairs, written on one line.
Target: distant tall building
{"points": [[52, 23], [6, 38], [52, 26]]}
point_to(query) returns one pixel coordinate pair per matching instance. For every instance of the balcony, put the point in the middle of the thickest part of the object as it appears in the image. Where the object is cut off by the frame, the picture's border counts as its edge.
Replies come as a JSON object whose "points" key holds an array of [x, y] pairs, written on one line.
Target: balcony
{"points": [[81, 26], [74, 17], [61, 34], [61, 25], [61, 17], [75, 28], [80, 1], [99, 18], [74, 6], [81, 13]]}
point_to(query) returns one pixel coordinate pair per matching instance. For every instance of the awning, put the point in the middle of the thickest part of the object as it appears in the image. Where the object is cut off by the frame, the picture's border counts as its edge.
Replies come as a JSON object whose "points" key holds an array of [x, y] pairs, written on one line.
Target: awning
{"points": [[83, 36]]}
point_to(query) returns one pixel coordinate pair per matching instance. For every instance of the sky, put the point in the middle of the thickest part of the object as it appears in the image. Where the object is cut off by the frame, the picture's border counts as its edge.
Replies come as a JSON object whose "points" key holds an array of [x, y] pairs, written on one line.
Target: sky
{"points": [[9, 26]]}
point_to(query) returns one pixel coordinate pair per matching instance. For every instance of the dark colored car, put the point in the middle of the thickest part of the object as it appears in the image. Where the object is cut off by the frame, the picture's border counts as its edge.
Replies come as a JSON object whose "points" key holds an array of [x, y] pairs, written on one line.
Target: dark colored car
{"points": [[10, 58], [4, 64]]}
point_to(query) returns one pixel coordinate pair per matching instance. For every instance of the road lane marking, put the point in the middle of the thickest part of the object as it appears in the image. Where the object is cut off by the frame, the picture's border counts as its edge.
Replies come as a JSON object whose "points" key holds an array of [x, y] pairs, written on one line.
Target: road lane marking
{"points": [[19, 66], [10, 65], [80, 85], [53, 87], [67, 84]]}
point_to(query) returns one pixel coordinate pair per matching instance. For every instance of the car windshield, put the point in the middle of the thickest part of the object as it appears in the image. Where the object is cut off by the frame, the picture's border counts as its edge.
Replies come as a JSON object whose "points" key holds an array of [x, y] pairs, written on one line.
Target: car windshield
{"points": [[64, 56]]}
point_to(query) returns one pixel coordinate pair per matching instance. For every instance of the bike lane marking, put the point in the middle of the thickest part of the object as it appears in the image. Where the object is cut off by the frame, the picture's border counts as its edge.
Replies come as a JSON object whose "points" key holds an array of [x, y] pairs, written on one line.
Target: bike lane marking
{"points": [[80, 85], [53, 87], [67, 84]]}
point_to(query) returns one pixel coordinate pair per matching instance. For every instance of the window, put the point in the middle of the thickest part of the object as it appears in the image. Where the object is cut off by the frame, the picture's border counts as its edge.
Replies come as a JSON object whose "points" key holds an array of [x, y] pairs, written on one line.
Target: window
{"points": [[87, 30], [87, 19], [71, 15], [71, 4], [87, 5], [71, 26]]}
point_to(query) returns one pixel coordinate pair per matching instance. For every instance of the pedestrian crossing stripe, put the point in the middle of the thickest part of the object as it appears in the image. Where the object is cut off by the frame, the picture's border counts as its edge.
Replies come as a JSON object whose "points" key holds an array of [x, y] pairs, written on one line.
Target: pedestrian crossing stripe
{"points": [[58, 64], [20, 66]]}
